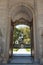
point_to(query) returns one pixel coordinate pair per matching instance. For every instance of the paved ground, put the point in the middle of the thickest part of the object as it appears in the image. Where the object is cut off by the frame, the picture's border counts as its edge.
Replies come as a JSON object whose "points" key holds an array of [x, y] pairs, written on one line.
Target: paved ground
{"points": [[21, 64], [22, 52], [21, 59]]}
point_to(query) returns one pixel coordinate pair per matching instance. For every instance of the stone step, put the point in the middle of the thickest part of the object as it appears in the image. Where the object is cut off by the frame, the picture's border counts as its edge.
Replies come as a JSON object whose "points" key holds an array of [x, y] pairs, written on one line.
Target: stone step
{"points": [[21, 59], [21, 64]]}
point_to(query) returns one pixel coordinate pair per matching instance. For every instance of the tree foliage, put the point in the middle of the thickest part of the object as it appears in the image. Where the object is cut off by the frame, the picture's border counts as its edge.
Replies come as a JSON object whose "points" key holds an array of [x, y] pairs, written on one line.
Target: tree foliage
{"points": [[16, 33], [25, 31]]}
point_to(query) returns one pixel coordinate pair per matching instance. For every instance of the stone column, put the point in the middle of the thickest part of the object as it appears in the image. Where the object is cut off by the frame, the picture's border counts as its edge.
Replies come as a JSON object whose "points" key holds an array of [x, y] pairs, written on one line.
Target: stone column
{"points": [[3, 24]]}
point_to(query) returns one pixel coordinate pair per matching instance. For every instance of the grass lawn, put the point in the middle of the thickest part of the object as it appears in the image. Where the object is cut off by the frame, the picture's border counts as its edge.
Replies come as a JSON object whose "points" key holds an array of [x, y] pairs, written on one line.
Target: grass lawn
{"points": [[27, 49]]}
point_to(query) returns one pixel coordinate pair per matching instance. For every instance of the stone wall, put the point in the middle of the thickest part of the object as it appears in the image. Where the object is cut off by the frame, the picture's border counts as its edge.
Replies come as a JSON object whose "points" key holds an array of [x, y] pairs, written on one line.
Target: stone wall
{"points": [[40, 27], [3, 23], [7, 9]]}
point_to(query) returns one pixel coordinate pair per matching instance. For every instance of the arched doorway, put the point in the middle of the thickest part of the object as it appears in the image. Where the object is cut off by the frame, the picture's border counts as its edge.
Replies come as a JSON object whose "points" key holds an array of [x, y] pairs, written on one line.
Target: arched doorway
{"points": [[24, 14], [22, 21]]}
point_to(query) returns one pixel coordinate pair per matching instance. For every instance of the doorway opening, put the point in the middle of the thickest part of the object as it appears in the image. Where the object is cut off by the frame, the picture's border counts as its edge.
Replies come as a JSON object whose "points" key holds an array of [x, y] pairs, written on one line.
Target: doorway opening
{"points": [[21, 43], [22, 40]]}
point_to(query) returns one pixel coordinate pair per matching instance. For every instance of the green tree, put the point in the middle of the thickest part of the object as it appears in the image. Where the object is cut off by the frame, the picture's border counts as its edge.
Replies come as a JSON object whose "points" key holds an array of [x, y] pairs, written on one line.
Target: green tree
{"points": [[25, 31], [16, 33]]}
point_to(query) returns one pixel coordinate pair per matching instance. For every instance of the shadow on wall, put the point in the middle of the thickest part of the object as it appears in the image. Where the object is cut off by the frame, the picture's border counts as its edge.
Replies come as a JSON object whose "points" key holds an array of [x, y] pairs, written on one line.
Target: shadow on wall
{"points": [[0, 33], [1, 47]]}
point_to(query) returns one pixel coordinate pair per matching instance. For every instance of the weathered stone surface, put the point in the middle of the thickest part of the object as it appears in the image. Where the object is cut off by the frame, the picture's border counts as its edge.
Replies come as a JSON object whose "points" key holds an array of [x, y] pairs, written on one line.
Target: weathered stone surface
{"points": [[9, 9]]}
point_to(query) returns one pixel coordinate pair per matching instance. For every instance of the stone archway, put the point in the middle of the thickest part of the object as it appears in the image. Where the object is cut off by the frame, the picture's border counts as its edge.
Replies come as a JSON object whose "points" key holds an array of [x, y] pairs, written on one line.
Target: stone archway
{"points": [[23, 11], [20, 22]]}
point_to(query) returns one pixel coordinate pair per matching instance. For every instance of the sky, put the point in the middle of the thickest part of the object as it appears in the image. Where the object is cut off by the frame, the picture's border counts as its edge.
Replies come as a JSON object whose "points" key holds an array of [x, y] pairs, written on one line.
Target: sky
{"points": [[21, 26]]}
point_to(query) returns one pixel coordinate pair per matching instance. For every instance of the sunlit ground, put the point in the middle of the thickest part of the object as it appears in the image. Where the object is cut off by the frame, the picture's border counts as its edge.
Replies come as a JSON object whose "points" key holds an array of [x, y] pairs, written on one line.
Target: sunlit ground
{"points": [[22, 52]]}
